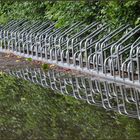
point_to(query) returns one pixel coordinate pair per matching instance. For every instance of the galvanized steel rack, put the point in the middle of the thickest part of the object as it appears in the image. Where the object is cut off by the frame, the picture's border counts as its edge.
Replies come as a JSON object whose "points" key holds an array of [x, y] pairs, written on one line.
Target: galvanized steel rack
{"points": [[96, 48]]}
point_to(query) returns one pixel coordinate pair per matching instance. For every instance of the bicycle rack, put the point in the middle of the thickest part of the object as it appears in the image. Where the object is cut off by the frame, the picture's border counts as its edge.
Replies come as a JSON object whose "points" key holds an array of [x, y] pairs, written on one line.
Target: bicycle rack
{"points": [[96, 49]]}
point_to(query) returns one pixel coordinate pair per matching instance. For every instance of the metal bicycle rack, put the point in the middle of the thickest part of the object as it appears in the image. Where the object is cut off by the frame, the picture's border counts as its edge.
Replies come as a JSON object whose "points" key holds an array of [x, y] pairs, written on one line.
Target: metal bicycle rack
{"points": [[107, 94], [96, 49]]}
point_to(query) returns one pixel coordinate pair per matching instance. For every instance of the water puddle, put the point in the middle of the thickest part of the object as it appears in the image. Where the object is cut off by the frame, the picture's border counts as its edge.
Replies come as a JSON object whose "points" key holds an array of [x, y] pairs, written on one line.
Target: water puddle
{"points": [[107, 94], [32, 106], [34, 110]]}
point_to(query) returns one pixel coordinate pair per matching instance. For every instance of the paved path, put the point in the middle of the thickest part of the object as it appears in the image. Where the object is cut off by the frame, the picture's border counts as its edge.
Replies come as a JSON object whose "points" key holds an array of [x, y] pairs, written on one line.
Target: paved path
{"points": [[10, 61]]}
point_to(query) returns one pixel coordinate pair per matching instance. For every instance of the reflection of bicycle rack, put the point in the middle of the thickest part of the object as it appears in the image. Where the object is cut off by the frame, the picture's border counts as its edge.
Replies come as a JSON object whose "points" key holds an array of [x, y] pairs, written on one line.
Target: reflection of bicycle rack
{"points": [[93, 48], [107, 94]]}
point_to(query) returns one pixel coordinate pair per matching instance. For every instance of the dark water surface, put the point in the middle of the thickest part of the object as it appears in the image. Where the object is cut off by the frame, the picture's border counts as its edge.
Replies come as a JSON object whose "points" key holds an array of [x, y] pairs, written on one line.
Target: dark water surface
{"points": [[30, 111]]}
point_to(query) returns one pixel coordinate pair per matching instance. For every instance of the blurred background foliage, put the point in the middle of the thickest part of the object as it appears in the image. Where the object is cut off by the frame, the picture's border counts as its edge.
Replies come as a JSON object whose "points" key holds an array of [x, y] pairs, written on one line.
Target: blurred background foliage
{"points": [[115, 12]]}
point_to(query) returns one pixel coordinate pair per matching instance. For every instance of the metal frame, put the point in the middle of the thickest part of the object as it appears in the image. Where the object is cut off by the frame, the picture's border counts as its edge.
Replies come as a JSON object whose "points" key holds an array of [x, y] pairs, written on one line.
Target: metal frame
{"points": [[95, 48]]}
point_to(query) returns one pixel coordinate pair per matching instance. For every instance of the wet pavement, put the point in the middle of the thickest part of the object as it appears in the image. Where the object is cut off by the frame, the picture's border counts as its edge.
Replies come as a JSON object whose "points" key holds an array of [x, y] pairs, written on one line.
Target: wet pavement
{"points": [[10, 61]]}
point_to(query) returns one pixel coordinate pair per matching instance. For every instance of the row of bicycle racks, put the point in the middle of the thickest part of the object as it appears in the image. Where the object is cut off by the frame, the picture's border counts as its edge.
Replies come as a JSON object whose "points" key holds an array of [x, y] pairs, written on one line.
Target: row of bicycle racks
{"points": [[93, 48]]}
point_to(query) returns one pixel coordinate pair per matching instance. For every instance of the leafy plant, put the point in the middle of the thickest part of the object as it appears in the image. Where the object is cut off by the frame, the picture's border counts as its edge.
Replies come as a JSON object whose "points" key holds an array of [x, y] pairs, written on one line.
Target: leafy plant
{"points": [[115, 12], [29, 59], [45, 66]]}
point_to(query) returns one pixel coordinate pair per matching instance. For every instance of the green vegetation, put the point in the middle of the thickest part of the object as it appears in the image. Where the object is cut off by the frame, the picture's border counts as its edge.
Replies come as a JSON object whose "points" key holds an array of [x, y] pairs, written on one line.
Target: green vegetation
{"points": [[29, 59], [115, 12], [28, 111], [45, 66]]}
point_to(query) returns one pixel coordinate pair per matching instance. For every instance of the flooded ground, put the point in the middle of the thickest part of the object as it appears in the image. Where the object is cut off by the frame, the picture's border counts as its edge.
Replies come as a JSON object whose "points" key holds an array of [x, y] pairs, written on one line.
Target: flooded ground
{"points": [[30, 109]]}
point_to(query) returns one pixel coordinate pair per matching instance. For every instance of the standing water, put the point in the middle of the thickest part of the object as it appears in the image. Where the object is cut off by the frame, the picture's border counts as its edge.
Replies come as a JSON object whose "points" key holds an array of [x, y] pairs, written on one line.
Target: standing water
{"points": [[37, 104]]}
